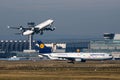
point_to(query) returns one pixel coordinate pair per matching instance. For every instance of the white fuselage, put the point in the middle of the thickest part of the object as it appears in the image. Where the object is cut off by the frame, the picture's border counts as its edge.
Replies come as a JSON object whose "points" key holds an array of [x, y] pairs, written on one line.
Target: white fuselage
{"points": [[44, 24], [40, 26], [85, 56]]}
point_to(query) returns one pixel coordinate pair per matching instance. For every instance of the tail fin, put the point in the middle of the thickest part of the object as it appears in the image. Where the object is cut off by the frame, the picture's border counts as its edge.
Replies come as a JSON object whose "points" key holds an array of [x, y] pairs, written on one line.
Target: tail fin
{"points": [[40, 46]]}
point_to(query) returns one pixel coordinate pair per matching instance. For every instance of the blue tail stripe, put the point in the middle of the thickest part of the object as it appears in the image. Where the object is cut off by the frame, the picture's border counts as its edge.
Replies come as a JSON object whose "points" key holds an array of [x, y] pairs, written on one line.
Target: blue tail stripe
{"points": [[42, 48]]}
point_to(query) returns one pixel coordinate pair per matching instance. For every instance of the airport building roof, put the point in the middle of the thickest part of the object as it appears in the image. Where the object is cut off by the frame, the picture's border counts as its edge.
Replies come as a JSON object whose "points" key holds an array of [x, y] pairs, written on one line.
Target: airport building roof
{"points": [[111, 36]]}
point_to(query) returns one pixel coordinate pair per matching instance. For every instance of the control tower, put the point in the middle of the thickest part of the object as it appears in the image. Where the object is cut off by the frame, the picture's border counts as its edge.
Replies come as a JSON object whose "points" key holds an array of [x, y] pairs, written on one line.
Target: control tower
{"points": [[30, 37]]}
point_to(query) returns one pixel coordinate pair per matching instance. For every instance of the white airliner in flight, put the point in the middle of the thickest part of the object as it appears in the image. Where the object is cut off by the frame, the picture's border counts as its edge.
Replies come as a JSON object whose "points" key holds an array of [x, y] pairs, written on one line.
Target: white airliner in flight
{"points": [[40, 28], [46, 51]]}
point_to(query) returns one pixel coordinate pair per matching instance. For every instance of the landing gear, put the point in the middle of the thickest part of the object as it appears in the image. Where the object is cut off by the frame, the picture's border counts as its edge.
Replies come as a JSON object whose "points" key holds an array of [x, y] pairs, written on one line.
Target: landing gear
{"points": [[82, 60]]}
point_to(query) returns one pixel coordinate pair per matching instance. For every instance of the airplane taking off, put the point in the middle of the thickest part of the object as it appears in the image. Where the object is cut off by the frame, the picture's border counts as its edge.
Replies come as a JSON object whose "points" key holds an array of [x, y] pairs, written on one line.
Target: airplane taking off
{"points": [[82, 57], [40, 28]]}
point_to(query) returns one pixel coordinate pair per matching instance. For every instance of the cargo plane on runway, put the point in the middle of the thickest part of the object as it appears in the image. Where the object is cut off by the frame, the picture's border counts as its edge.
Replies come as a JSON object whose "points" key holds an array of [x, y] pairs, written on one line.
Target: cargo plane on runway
{"points": [[46, 51], [40, 28]]}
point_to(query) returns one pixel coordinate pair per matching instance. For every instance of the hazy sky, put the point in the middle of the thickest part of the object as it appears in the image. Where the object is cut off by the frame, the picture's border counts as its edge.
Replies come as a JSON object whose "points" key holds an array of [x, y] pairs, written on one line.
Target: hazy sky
{"points": [[73, 18]]}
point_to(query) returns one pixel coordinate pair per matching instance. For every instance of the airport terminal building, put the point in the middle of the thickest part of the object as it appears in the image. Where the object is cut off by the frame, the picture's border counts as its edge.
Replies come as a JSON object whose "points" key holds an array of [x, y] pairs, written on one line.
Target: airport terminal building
{"points": [[105, 46], [110, 44], [21, 45]]}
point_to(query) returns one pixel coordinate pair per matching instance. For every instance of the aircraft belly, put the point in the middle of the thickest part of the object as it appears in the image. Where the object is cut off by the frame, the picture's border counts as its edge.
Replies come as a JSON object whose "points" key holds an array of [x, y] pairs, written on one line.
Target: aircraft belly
{"points": [[28, 32]]}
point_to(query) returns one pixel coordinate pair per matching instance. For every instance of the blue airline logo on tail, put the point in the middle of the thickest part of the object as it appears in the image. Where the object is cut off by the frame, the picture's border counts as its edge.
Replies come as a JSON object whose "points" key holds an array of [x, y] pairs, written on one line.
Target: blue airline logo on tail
{"points": [[40, 46]]}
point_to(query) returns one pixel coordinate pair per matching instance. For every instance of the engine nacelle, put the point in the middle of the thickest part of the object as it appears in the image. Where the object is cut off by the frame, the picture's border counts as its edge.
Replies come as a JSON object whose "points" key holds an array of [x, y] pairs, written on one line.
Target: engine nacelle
{"points": [[21, 28], [52, 29], [28, 32], [80, 60]]}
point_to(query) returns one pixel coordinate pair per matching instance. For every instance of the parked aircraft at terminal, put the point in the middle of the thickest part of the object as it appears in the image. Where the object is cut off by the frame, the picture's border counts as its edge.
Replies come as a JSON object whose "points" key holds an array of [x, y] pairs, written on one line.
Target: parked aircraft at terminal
{"points": [[47, 52], [40, 28]]}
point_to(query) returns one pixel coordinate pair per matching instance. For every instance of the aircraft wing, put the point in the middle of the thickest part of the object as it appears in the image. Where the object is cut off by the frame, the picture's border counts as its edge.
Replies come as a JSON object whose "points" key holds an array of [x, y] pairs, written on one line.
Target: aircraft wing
{"points": [[19, 28], [13, 27]]}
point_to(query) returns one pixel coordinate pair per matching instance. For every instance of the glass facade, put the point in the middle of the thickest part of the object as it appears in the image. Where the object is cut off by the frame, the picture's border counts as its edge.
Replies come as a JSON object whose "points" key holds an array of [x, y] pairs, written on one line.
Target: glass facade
{"points": [[71, 46], [109, 46], [105, 46], [16, 45], [74, 46], [20, 45]]}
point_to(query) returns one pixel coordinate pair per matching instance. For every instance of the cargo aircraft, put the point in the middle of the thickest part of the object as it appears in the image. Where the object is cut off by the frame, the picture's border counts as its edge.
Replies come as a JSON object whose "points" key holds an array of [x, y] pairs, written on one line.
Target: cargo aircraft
{"points": [[40, 28], [75, 56]]}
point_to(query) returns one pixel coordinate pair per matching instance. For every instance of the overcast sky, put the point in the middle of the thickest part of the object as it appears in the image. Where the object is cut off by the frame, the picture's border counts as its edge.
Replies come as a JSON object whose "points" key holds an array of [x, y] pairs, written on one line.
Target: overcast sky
{"points": [[73, 18]]}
